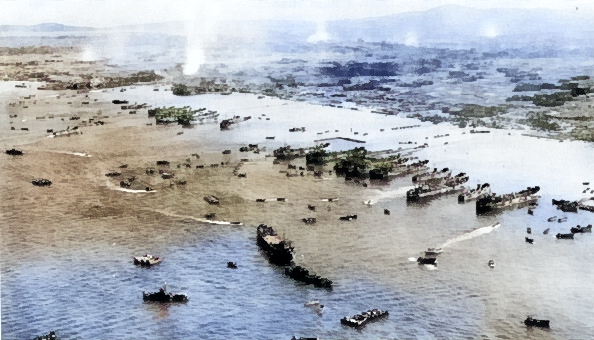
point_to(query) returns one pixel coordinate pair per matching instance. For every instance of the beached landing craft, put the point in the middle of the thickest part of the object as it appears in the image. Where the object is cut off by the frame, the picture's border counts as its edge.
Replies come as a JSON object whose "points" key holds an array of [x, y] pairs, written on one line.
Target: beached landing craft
{"points": [[449, 184], [488, 203], [445, 172], [278, 250], [474, 194], [146, 260], [359, 320]]}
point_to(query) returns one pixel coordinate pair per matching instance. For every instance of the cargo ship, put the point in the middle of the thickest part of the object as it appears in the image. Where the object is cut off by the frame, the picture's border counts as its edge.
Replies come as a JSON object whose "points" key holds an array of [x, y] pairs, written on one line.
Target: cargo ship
{"points": [[279, 251]]}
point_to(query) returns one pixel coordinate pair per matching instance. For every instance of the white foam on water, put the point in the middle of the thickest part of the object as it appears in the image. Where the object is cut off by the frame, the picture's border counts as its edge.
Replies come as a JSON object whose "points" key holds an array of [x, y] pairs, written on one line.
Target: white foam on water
{"points": [[80, 154], [398, 193], [198, 219], [472, 234], [134, 191], [430, 267], [413, 259]]}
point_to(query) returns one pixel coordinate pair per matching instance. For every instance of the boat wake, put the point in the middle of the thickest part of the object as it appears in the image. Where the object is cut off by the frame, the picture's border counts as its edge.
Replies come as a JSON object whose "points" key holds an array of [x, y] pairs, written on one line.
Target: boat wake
{"points": [[198, 219], [398, 193], [116, 188], [472, 234], [80, 154]]}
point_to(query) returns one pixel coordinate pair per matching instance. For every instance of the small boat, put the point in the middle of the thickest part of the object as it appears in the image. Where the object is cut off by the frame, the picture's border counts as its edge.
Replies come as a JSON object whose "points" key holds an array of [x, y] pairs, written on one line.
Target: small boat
{"points": [[564, 236], [433, 251], [14, 152], [211, 199], [529, 230], [386, 212], [579, 229], [41, 182], [586, 183], [491, 264], [561, 220], [146, 260], [232, 265], [426, 260], [537, 323], [163, 296], [359, 320], [50, 336], [546, 231], [552, 219], [269, 137], [529, 240]]}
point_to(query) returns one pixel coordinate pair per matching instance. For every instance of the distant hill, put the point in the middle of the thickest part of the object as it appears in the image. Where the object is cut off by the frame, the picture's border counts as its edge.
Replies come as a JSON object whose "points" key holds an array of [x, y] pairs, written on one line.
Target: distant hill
{"points": [[451, 24], [47, 27]]}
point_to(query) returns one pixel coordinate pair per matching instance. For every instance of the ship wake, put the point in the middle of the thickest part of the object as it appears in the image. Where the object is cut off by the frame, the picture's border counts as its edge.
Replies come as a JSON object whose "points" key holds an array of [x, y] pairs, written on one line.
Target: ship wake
{"points": [[470, 235]]}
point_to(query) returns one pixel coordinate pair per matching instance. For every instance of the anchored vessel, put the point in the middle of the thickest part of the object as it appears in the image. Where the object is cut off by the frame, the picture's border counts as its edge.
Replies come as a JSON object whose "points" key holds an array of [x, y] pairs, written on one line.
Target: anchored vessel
{"points": [[474, 194], [162, 296], [146, 260], [537, 323], [278, 250], [301, 274], [487, 203], [359, 320], [448, 184]]}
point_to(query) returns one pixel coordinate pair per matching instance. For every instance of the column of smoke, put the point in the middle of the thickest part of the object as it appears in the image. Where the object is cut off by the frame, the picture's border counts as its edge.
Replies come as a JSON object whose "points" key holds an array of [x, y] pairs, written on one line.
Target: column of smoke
{"points": [[200, 32], [320, 35]]}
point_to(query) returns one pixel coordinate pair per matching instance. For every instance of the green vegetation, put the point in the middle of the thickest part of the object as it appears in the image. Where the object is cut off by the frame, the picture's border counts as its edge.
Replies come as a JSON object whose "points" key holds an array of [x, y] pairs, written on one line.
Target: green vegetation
{"points": [[316, 156], [542, 122], [479, 111], [134, 78], [183, 116]]}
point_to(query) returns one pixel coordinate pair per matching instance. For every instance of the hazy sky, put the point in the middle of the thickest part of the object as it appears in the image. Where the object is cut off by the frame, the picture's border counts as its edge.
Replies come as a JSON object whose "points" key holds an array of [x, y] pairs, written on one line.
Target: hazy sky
{"points": [[106, 13]]}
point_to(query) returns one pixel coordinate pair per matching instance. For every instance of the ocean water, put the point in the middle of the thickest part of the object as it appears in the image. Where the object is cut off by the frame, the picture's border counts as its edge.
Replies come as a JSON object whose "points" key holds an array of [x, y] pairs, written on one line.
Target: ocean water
{"points": [[91, 290]]}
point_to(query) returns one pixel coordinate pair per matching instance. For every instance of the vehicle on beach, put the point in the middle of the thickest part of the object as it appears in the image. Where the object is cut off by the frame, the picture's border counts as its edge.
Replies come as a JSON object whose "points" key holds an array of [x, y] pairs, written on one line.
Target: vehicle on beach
{"points": [[359, 320], [146, 260], [211, 199]]}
